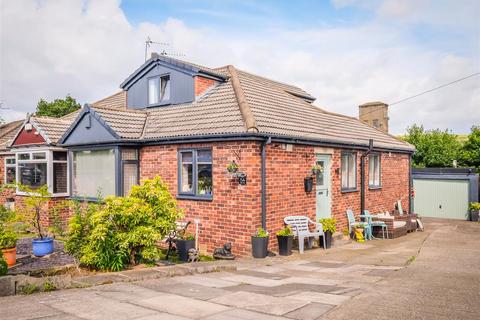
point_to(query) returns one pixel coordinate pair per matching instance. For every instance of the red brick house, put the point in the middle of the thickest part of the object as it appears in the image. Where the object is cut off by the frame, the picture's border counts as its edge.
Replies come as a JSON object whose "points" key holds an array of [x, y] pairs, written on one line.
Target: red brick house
{"points": [[187, 123]]}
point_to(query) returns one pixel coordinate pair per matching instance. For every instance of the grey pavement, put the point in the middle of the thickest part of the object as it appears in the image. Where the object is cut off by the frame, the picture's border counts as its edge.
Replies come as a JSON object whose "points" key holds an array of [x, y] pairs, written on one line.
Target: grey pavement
{"points": [[425, 275]]}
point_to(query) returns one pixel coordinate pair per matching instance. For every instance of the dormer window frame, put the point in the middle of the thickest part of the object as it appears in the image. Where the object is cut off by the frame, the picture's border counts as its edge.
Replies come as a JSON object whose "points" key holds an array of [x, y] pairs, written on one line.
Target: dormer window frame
{"points": [[159, 101]]}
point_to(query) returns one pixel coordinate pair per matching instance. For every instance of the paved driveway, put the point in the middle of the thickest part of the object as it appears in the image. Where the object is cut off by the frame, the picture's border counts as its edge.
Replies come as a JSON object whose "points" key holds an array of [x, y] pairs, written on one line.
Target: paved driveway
{"points": [[356, 280]]}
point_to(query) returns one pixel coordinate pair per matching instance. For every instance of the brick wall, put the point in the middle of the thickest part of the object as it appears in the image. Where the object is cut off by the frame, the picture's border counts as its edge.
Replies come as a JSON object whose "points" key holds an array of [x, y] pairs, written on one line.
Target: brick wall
{"points": [[202, 84], [234, 213]]}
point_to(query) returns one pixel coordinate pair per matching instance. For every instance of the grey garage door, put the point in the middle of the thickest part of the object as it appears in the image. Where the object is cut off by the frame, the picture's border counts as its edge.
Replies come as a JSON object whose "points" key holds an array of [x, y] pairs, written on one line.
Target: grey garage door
{"points": [[441, 198]]}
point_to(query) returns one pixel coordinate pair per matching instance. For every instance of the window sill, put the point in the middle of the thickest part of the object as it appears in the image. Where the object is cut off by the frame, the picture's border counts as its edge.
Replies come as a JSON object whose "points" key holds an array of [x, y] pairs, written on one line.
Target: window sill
{"points": [[192, 197], [160, 104], [374, 187], [349, 190]]}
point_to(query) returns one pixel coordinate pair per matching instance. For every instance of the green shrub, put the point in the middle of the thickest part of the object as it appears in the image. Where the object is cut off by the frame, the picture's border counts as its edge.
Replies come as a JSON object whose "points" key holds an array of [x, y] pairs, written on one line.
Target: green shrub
{"points": [[124, 230], [261, 233], [28, 288], [8, 238], [49, 286], [473, 206], [285, 232], [328, 224], [3, 265]]}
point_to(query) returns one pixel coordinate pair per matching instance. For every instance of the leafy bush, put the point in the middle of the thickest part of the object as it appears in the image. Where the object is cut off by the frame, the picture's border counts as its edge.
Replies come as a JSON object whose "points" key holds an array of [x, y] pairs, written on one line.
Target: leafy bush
{"points": [[328, 224], [35, 202], [123, 230], [261, 233], [8, 239], [285, 232], [3, 265], [473, 206]]}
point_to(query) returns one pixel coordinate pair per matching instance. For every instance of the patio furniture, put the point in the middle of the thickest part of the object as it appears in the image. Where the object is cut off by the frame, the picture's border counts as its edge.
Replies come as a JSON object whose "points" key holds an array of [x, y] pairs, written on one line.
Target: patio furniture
{"points": [[410, 219], [352, 223], [300, 228], [376, 223], [396, 224]]}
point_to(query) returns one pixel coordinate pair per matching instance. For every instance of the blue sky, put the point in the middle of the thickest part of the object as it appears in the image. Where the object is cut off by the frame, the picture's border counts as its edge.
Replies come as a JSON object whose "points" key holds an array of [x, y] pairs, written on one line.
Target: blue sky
{"points": [[343, 52]]}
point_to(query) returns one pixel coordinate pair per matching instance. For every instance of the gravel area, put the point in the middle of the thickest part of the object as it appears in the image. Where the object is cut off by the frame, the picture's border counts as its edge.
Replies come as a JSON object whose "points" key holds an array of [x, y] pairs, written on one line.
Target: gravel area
{"points": [[27, 263]]}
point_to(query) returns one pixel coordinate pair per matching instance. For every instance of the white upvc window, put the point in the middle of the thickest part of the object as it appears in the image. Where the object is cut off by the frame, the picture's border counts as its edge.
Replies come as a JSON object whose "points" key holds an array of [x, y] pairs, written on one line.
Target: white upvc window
{"points": [[35, 168], [10, 170], [159, 90], [374, 180], [349, 171]]}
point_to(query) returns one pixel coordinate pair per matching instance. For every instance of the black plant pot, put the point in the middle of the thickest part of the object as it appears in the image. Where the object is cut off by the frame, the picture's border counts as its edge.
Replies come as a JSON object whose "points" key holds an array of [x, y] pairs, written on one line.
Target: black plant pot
{"points": [[285, 244], [474, 215], [182, 248], [328, 240], [308, 184], [259, 247]]}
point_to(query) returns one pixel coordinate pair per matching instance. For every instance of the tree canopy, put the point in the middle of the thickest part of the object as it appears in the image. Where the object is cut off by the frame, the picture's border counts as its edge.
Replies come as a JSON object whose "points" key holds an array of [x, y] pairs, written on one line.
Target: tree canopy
{"points": [[437, 148], [58, 107]]}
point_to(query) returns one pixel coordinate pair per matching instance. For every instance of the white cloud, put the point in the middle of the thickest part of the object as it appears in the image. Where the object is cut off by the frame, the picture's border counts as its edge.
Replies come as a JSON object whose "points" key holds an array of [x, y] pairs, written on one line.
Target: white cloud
{"points": [[87, 48]]}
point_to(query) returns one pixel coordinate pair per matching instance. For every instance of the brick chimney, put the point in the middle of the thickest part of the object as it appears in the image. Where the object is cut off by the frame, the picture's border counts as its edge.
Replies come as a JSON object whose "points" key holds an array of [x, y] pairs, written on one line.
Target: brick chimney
{"points": [[374, 114]]}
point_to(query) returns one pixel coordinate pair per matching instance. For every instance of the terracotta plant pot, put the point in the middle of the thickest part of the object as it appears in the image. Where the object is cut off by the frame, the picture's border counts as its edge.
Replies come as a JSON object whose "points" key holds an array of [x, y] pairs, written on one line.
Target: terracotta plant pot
{"points": [[10, 256]]}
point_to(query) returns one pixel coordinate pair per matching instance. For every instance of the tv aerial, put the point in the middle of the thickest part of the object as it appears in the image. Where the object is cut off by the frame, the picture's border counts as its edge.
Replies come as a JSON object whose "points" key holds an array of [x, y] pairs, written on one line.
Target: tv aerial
{"points": [[149, 42]]}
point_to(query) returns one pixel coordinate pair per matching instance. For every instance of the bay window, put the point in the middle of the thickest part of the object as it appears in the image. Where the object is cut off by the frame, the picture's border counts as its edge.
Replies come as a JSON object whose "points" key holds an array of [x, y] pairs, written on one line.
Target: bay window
{"points": [[34, 169], [195, 173], [10, 170], [349, 171], [374, 171]]}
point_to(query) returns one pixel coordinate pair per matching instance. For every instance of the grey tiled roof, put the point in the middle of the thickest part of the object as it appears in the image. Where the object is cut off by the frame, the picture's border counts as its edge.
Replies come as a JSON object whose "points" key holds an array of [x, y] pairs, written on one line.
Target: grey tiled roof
{"points": [[8, 131], [128, 124], [278, 109], [54, 128]]}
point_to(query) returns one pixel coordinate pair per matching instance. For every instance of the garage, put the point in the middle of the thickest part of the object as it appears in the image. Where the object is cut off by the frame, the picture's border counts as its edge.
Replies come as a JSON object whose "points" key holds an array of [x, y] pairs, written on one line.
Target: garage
{"points": [[444, 192]]}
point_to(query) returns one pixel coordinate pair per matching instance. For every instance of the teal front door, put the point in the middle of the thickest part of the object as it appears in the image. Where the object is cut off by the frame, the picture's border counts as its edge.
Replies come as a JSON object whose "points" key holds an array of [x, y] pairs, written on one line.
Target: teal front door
{"points": [[323, 187]]}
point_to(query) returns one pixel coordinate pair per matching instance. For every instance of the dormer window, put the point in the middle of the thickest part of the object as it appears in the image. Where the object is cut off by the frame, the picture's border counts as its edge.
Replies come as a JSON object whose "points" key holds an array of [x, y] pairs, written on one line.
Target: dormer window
{"points": [[158, 90]]}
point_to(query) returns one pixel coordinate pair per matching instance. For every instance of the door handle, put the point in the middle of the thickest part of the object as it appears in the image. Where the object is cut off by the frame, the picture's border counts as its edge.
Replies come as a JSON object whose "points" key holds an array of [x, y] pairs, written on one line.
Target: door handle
{"points": [[440, 206], [327, 192]]}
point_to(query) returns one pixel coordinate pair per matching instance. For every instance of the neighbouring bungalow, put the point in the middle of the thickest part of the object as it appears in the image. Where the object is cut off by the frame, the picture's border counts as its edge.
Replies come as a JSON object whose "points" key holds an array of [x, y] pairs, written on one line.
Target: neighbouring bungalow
{"points": [[187, 123]]}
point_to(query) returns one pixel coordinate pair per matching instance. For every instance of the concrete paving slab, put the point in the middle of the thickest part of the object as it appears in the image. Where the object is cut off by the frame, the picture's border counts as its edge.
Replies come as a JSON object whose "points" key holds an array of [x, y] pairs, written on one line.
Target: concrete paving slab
{"points": [[322, 264], [89, 305], [311, 311], [283, 290], [259, 302], [13, 308], [185, 289], [162, 316], [208, 281], [319, 297], [181, 306], [241, 314], [123, 291], [263, 275]]}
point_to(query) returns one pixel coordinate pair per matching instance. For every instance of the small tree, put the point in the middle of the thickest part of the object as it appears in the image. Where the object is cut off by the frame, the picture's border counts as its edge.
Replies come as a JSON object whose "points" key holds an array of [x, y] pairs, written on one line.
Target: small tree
{"points": [[58, 107], [434, 148], [36, 202]]}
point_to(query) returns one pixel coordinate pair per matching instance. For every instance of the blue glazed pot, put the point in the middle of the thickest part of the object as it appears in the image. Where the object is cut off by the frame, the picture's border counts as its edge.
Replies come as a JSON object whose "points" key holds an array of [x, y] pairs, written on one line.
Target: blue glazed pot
{"points": [[42, 247]]}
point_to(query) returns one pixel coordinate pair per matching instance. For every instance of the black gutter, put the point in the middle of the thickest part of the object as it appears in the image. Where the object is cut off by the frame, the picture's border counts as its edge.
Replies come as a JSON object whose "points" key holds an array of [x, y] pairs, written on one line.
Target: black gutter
{"points": [[264, 181], [238, 137], [362, 176]]}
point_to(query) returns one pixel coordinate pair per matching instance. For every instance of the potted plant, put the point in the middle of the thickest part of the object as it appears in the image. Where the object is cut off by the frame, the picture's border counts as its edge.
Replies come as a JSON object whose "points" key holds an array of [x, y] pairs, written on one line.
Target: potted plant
{"points": [[260, 243], [317, 169], [329, 229], [285, 241], [474, 208], [184, 242], [308, 184], [3, 265], [36, 202], [233, 167], [8, 245]]}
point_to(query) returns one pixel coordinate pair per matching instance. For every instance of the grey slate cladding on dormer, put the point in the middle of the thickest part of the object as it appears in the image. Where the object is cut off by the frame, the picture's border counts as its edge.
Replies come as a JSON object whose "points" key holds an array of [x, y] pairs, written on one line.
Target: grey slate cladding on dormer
{"points": [[182, 87]]}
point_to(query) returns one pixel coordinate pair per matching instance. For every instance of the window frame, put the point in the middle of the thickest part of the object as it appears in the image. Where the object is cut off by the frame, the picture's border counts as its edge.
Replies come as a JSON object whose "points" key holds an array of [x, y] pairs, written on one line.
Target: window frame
{"points": [[193, 195], [354, 188], [49, 162], [160, 102], [123, 162], [379, 157], [9, 165]]}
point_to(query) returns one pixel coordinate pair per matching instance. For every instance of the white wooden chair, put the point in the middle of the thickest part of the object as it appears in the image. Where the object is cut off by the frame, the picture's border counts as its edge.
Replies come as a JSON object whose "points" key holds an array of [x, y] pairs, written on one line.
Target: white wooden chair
{"points": [[299, 225]]}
